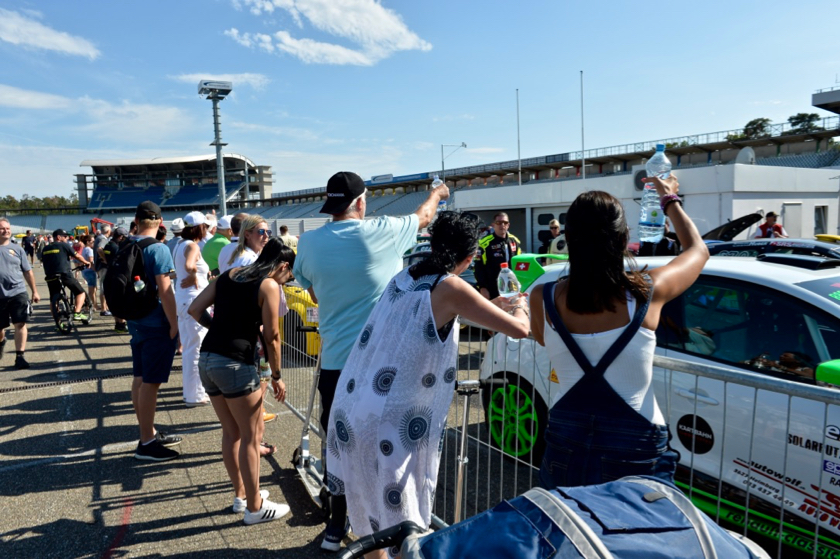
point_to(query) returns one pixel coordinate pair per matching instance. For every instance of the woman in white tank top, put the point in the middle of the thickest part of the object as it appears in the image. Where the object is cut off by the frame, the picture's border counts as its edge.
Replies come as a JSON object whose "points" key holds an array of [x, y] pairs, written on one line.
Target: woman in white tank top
{"points": [[605, 423]]}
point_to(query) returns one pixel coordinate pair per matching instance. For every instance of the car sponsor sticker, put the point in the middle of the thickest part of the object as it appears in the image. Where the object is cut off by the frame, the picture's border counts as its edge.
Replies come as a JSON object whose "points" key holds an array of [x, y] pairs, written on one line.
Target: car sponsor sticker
{"points": [[695, 433], [312, 315], [523, 266], [831, 451]]}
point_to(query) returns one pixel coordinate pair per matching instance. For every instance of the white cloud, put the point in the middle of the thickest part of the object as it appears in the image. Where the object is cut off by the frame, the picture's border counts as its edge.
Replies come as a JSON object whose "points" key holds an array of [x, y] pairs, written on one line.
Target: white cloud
{"points": [[135, 123], [125, 122], [17, 98], [257, 81], [378, 31], [20, 30]]}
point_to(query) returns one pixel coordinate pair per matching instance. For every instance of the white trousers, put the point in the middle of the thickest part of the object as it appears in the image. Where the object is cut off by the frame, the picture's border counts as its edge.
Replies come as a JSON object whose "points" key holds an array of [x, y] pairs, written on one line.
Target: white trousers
{"points": [[192, 333]]}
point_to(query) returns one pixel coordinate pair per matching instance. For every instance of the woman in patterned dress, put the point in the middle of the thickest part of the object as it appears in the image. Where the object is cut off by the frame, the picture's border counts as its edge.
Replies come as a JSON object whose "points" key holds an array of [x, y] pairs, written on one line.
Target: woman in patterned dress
{"points": [[394, 392]]}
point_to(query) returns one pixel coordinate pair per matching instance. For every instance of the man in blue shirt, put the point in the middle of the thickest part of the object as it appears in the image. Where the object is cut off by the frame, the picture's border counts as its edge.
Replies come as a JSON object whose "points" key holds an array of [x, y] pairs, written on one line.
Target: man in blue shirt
{"points": [[346, 265], [154, 339]]}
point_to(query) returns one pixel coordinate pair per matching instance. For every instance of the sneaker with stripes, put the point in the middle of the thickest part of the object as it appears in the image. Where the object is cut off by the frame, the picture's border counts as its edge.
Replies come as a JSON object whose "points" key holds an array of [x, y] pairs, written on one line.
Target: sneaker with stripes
{"points": [[240, 505], [268, 512]]}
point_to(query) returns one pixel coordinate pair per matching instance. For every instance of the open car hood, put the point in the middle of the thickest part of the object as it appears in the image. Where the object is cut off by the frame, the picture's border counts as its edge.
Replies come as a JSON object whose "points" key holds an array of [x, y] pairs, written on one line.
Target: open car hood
{"points": [[731, 229]]}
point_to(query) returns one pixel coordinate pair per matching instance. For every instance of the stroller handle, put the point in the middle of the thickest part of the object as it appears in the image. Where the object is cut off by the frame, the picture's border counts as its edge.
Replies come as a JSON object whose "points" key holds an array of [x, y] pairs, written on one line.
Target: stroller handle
{"points": [[481, 383], [393, 536]]}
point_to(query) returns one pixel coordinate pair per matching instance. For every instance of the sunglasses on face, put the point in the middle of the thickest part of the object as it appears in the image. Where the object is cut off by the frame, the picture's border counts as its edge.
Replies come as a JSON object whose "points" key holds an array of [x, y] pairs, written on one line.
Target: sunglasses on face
{"points": [[263, 232], [553, 228], [503, 223]]}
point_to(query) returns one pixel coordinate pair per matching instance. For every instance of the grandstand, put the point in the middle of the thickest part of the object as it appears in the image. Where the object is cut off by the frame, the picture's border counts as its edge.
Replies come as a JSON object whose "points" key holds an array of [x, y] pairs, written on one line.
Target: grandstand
{"points": [[179, 183]]}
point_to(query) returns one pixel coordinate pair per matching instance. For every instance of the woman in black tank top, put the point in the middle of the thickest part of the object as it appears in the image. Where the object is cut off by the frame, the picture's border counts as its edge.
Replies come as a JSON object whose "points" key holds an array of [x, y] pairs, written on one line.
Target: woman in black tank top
{"points": [[245, 299]]}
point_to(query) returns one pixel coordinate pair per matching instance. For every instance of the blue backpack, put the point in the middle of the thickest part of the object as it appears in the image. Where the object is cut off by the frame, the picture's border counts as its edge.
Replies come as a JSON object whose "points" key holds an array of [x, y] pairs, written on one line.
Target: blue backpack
{"points": [[634, 517]]}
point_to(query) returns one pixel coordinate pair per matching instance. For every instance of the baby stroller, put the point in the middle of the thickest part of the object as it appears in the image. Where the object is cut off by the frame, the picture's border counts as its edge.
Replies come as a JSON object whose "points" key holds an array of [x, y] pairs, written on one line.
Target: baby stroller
{"points": [[636, 516]]}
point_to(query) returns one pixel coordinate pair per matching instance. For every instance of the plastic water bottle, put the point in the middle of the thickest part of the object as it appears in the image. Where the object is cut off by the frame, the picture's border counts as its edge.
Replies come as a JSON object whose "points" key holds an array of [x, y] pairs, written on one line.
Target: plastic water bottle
{"points": [[442, 204], [139, 285], [652, 218], [507, 282]]}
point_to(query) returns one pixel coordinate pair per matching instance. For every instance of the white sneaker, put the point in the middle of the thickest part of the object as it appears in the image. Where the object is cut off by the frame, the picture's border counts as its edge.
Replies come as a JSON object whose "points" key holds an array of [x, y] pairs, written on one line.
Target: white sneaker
{"points": [[269, 511], [239, 505]]}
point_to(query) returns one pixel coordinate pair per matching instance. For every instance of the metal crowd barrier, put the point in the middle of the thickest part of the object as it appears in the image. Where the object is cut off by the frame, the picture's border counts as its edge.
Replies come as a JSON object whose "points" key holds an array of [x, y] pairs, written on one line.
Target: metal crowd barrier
{"points": [[727, 465]]}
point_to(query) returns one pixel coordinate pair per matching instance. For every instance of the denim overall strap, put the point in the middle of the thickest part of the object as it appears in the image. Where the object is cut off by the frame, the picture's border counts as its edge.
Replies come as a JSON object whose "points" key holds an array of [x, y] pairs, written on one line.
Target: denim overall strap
{"points": [[614, 350]]}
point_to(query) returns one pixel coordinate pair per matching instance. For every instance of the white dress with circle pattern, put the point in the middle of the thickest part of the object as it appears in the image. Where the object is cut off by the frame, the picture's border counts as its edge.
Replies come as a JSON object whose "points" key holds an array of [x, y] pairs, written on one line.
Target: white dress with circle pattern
{"points": [[389, 414]]}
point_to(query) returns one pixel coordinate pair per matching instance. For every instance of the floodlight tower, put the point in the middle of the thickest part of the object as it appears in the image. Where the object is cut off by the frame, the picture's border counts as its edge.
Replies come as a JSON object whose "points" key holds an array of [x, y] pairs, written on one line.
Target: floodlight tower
{"points": [[216, 91]]}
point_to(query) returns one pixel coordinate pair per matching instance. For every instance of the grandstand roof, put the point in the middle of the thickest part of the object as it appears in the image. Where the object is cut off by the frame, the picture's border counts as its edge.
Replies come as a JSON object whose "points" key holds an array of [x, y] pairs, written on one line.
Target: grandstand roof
{"points": [[160, 161]]}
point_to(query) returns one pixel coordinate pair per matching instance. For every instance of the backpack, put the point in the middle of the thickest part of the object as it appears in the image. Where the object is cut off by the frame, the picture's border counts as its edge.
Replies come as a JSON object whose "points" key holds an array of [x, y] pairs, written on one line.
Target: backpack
{"points": [[118, 285]]}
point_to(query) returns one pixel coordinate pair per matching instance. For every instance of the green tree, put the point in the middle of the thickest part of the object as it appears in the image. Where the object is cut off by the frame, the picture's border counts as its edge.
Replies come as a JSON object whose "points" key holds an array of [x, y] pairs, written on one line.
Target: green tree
{"points": [[802, 123], [757, 128]]}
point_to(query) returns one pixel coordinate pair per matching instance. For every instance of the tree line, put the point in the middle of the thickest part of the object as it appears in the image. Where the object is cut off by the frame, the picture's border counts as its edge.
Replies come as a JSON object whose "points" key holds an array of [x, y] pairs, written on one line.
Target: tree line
{"points": [[33, 204], [800, 123]]}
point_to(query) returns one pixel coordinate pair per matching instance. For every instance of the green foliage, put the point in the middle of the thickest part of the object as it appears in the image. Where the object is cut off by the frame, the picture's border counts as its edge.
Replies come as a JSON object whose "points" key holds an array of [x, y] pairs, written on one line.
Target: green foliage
{"points": [[33, 204], [802, 123], [757, 128]]}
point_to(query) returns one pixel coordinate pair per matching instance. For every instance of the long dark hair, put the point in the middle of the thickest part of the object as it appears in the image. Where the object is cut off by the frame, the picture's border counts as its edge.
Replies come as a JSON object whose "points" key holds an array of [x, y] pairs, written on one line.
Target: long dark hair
{"points": [[273, 254], [597, 236], [454, 237]]}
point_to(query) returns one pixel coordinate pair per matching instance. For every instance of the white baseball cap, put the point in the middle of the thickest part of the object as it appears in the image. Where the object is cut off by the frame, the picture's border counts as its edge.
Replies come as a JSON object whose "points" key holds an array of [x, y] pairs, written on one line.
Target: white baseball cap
{"points": [[224, 222], [194, 218]]}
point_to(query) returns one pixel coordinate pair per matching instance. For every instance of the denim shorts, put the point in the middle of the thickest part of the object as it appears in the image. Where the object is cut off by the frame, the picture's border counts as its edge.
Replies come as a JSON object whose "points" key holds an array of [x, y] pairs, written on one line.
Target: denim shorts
{"points": [[224, 376], [152, 352], [90, 277]]}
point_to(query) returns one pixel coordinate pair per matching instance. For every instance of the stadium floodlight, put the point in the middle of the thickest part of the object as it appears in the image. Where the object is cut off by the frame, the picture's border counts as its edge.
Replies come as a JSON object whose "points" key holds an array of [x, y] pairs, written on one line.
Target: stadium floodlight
{"points": [[216, 91], [442, 158]]}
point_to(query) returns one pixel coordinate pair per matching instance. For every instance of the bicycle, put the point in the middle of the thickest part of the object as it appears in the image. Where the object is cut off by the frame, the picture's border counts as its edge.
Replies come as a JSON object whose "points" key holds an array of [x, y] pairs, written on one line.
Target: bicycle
{"points": [[63, 307]]}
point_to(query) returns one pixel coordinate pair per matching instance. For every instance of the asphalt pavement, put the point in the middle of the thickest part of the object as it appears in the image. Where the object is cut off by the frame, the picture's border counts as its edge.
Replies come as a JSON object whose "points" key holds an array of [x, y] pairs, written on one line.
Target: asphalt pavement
{"points": [[71, 487]]}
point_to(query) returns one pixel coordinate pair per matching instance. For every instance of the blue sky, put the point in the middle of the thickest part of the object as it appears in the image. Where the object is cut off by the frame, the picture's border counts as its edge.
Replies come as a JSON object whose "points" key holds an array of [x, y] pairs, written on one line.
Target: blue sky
{"points": [[376, 87]]}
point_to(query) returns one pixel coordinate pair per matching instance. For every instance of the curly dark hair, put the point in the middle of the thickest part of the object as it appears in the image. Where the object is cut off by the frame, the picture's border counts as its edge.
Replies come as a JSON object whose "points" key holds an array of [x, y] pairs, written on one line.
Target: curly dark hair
{"points": [[454, 237]]}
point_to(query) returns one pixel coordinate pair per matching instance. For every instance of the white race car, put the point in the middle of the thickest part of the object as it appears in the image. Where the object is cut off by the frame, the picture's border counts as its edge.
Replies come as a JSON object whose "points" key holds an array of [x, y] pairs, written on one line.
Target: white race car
{"points": [[776, 315]]}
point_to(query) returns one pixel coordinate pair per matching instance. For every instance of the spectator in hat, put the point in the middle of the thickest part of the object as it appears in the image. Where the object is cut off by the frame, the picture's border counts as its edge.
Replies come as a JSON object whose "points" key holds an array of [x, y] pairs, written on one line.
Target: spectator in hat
{"points": [[153, 340], [770, 229], [214, 246], [210, 220], [191, 277], [368, 251], [176, 228]]}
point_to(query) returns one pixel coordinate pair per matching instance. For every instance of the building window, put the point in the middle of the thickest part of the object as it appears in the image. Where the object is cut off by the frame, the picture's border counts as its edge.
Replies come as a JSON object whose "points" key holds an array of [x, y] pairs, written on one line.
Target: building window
{"points": [[820, 220]]}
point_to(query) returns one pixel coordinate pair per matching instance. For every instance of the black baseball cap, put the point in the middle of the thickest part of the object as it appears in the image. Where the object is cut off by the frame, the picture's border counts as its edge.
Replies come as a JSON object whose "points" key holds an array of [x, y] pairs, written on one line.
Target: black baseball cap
{"points": [[147, 210], [771, 214], [342, 188], [58, 232]]}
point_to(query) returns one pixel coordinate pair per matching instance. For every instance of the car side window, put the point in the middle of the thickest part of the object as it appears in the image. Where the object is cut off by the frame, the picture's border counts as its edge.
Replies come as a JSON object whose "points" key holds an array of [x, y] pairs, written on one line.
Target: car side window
{"points": [[750, 326]]}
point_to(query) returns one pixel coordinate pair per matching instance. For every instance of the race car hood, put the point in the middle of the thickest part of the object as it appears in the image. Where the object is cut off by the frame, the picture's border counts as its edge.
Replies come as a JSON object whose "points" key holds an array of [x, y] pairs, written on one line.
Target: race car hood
{"points": [[730, 230]]}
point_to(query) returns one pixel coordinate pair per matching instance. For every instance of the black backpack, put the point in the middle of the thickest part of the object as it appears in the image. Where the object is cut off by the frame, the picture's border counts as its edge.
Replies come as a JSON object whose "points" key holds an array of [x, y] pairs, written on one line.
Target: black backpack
{"points": [[118, 286]]}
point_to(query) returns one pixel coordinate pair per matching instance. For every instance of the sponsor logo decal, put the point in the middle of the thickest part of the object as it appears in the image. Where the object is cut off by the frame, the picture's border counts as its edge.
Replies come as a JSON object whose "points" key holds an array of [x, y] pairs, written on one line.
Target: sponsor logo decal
{"points": [[831, 451], [523, 266], [695, 433]]}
